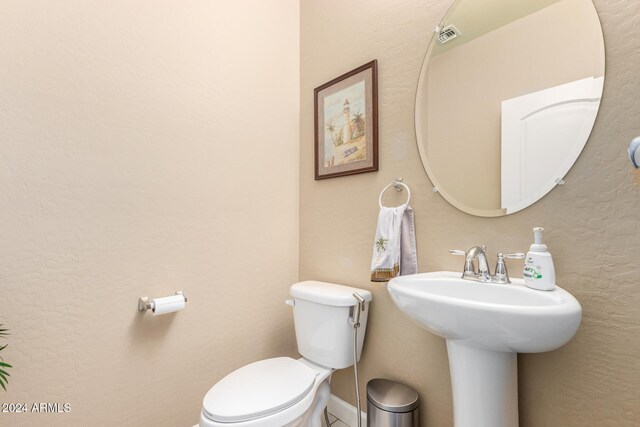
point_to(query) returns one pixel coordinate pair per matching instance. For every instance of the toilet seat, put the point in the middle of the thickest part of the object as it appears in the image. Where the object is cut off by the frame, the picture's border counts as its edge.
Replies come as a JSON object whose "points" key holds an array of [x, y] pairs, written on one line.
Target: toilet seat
{"points": [[258, 390]]}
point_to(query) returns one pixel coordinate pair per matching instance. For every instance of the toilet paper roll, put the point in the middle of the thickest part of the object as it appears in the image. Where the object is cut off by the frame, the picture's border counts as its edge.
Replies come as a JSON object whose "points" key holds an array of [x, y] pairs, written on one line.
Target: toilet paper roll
{"points": [[168, 304]]}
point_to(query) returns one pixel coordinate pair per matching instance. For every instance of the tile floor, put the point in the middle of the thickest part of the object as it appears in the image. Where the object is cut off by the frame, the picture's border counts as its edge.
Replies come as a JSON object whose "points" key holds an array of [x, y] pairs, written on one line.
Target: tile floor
{"points": [[335, 422]]}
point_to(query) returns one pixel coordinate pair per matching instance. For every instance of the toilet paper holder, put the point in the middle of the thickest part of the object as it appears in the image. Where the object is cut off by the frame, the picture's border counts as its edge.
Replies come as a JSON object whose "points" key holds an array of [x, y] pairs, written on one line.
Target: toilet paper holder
{"points": [[144, 304]]}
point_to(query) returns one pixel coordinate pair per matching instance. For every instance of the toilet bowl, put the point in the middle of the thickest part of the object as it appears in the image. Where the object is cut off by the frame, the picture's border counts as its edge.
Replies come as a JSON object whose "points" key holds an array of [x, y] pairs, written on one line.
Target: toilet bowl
{"points": [[272, 392], [284, 392]]}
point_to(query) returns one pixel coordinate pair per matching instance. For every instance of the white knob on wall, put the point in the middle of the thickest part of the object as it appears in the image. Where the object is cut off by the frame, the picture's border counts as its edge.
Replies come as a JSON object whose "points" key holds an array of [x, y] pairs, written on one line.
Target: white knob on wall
{"points": [[634, 152]]}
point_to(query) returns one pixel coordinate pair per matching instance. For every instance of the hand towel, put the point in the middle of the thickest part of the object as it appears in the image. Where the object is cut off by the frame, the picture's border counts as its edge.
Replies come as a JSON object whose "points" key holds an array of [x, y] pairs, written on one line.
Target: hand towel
{"points": [[408, 252], [394, 248], [385, 263]]}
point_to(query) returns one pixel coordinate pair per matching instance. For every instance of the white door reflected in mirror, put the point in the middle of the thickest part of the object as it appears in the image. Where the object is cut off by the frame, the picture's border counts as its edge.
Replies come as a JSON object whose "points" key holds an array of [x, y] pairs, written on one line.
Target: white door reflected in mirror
{"points": [[505, 107], [543, 134]]}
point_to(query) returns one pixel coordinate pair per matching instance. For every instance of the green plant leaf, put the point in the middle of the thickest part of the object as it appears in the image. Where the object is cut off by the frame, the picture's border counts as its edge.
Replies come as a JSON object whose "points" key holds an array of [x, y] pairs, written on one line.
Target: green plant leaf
{"points": [[4, 332], [4, 380]]}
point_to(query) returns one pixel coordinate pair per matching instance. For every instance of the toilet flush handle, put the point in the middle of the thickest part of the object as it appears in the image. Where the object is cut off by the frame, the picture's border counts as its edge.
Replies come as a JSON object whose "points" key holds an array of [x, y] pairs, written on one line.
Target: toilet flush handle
{"points": [[290, 302]]}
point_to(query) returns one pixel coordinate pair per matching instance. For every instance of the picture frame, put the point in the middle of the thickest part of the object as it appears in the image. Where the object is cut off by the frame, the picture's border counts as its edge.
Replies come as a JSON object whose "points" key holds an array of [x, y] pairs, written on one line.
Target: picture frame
{"points": [[346, 123]]}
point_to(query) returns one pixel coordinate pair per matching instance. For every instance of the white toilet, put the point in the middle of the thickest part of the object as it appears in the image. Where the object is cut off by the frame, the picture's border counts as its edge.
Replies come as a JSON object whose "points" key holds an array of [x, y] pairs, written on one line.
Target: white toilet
{"points": [[283, 392]]}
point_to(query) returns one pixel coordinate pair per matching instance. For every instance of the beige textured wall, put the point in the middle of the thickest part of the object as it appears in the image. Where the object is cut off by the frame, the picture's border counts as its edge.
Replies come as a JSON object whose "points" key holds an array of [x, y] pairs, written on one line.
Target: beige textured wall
{"points": [[593, 222], [145, 147], [563, 41]]}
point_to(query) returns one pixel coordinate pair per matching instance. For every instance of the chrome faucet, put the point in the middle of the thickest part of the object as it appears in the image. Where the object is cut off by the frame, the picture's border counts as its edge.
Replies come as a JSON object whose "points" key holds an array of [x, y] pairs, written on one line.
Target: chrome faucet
{"points": [[482, 272]]}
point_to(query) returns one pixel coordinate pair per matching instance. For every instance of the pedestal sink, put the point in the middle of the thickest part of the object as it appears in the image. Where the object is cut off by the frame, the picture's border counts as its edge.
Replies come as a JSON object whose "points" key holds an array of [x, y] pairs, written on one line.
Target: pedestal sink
{"points": [[485, 325]]}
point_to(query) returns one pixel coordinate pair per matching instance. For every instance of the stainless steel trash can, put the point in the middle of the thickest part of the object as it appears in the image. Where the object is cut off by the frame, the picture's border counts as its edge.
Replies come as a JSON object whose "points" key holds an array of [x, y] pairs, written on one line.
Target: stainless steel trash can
{"points": [[391, 404]]}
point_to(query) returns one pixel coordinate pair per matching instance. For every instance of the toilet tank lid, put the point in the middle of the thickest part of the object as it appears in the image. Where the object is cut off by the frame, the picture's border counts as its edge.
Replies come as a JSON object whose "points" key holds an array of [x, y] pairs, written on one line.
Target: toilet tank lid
{"points": [[328, 293]]}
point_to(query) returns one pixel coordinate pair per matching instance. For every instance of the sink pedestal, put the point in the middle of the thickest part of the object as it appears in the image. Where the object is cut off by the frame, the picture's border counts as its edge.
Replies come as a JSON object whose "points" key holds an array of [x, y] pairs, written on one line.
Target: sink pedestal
{"points": [[485, 386]]}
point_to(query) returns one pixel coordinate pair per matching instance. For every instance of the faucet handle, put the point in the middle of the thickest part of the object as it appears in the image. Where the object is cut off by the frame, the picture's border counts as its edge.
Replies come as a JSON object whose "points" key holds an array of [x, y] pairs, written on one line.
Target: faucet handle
{"points": [[469, 268], [502, 276], [515, 255]]}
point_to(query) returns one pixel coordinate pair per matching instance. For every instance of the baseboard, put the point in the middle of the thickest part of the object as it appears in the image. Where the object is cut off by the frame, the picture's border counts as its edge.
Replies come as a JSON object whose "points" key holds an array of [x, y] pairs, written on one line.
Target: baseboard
{"points": [[345, 412]]}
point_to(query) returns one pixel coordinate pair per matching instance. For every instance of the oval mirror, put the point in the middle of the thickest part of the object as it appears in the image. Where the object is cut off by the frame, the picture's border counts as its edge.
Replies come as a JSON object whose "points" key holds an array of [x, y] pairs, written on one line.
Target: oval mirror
{"points": [[507, 98]]}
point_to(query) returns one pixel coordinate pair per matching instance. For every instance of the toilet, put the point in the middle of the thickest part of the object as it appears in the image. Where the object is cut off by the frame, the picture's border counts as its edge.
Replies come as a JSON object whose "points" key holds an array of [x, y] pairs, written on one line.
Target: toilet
{"points": [[285, 392]]}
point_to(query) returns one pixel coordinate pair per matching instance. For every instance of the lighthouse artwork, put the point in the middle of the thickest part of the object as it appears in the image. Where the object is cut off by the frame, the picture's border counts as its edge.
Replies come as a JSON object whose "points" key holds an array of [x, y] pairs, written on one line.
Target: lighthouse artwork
{"points": [[346, 124], [347, 121], [345, 134]]}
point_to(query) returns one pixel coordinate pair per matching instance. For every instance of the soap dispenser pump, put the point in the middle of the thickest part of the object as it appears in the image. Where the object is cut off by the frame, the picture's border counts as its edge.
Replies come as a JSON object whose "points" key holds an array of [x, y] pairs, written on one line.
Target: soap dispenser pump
{"points": [[539, 272]]}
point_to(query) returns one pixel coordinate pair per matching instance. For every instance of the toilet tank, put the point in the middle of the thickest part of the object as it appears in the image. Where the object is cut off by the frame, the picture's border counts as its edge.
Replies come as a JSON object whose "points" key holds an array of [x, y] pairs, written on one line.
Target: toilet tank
{"points": [[321, 314]]}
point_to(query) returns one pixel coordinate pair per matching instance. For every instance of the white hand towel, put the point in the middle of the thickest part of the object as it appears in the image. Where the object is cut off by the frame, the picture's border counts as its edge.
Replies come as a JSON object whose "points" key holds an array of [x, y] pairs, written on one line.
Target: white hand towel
{"points": [[408, 251], [385, 263]]}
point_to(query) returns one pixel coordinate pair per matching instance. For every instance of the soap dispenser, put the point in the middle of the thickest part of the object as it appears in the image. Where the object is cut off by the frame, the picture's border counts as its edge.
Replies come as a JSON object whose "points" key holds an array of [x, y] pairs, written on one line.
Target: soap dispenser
{"points": [[539, 272]]}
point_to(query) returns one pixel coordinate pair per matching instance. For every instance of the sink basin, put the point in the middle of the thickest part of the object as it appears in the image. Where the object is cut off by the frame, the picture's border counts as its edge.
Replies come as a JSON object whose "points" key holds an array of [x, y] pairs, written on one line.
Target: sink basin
{"points": [[487, 315], [485, 325]]}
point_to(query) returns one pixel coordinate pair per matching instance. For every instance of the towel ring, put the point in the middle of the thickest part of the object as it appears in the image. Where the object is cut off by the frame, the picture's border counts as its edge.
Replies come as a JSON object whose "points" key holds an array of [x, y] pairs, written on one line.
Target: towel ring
{"points": [[398, 185]]}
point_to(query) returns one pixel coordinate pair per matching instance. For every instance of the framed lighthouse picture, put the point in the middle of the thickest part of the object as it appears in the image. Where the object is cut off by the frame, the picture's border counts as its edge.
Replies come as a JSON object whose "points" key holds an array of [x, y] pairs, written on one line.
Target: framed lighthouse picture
{"points": [[346, 123]]}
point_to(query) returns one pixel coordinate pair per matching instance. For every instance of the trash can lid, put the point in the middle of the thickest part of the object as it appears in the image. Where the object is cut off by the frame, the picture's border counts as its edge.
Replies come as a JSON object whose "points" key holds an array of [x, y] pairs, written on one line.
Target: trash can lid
{"points": [[392, 396]]}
